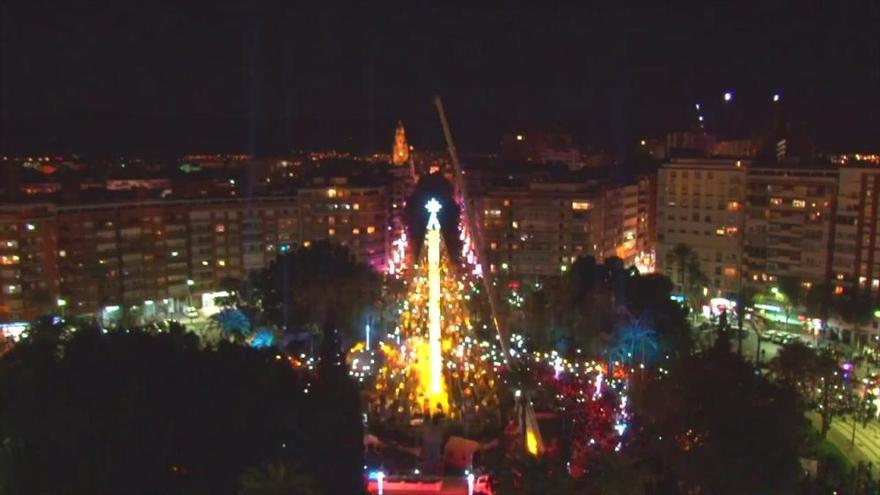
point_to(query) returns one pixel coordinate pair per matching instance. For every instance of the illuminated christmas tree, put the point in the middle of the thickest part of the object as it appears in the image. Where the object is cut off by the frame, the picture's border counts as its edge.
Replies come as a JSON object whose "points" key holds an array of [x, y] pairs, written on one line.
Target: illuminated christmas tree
{"points": [[436, 364]]}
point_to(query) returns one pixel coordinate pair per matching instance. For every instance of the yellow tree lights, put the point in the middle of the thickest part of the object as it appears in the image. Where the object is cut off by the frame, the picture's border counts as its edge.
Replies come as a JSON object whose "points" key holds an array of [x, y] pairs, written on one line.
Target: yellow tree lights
{"points": [[436, 363], [435, 391]]}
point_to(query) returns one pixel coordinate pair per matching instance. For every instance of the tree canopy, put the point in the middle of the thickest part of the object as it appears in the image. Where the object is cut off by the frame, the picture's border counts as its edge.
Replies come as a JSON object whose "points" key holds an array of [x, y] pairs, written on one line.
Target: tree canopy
{"points": [[135, 412], [300, 289]]}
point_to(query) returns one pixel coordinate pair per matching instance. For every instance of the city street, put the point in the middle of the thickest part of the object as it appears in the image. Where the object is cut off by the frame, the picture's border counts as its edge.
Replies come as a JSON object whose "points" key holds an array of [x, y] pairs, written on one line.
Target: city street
{"points": [[867, 446]]}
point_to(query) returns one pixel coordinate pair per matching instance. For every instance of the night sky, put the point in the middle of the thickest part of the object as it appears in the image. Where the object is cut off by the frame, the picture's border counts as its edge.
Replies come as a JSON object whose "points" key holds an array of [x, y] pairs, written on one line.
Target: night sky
{"points": [[264, 77]]}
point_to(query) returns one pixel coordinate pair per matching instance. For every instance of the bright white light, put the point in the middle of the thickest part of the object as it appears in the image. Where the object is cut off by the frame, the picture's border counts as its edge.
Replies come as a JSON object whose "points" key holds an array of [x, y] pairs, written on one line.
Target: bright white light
{"points": [[519, 137], [776, 97], [700, 118], [698, 106], [728, 96]]}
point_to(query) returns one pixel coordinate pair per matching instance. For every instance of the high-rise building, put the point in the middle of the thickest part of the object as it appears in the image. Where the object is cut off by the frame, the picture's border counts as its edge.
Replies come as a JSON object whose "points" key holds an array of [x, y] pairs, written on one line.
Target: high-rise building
{"points": [[351, 215], [857, 228], [28, 268], [700, 205], [789, 224], [538, 229]]}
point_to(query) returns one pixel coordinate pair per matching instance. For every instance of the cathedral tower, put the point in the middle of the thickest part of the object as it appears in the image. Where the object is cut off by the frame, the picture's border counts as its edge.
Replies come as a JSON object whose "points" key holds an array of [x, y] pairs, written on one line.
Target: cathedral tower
{"points": [[400, 152]]}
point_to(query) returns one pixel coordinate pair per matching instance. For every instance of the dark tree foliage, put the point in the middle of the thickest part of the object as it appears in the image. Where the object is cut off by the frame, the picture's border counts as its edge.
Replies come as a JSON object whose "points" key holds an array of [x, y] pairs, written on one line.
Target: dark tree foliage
{"points": [[134, 412], [338, 437], [593, 301], [715, 426], [433, 186], [301, 288]]}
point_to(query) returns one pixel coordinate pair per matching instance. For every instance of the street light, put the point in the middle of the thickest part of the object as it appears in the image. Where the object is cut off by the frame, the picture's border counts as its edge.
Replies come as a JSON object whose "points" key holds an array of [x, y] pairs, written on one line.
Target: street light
{"points": [[728, 96]]}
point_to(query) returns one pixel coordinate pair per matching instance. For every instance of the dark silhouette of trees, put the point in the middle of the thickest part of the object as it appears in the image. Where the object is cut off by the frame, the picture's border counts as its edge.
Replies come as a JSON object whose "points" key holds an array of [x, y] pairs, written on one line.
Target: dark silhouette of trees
{"points": [[300, 289], [137, 412], [712, 425], [594, 301]]}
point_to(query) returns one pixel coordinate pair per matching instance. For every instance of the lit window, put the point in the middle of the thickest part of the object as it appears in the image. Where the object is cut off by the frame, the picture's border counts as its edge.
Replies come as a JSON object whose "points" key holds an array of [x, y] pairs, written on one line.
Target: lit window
{"points": [[506, 202], [355, 231], [731, 230], [11, 244], [221, 262], [719, 231], [838, 290], [840, 276], [331, 231], [493, 245], [729, 272], [798, 203], [9, 259], [371, 229], [307, 243], [580, 205], [355, 206], [174, 254], [733, 206], [807, 285], [563, 268], [62, 253], [504, 266], [31, 226], [332, 193], [219, 228], [776, 201], [493, 213], [205, 263], [514, 224]]}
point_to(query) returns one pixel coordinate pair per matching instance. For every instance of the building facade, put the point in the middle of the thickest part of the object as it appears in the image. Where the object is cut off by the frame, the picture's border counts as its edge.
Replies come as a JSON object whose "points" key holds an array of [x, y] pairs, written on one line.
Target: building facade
{"points": [[539, 229], [157, 257], [700, 204], [789, 225], [28, 260], [856, 264]]}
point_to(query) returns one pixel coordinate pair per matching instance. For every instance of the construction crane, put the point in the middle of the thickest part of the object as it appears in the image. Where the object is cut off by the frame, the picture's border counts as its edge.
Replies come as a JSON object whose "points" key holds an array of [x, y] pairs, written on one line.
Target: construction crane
{"points": [[531, 434], [471, 225]]}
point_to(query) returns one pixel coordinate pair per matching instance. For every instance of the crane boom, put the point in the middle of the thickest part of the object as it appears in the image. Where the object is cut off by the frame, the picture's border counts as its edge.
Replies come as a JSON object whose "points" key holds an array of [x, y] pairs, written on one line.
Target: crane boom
{"points": [[532, 440], [471, 224]]}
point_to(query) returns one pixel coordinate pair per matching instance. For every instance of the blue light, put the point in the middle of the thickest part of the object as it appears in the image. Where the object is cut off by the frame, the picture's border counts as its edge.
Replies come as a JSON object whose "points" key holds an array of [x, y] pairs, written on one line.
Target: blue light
{"points": [[263, 338], [374, 475]]}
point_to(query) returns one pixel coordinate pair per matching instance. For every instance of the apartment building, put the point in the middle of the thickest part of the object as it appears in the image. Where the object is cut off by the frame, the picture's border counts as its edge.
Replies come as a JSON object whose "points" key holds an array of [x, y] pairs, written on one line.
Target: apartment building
{"points": [[539, 229], [157, 256], [700, 204], [28, 268], [353, 216], [789, 224], [856, 264]]}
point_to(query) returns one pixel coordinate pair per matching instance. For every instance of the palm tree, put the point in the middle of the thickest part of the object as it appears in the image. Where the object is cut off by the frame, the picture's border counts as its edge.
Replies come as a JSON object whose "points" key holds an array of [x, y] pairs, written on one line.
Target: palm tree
{"points": [[277, 478], [682, 254], [792, 291], [690, 274]]}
